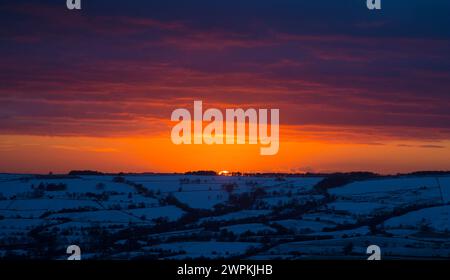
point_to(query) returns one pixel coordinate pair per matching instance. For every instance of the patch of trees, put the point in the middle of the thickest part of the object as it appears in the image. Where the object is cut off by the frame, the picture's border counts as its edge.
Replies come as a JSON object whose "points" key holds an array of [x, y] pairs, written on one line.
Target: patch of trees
{"points": [[229, 188], [215, 225], [172, 200], [50, 187], [99, 240], [84, 173], [136, 205], [44, 243], [140, 188], [244, 200], [104, 196], [340, 179], [294, 210], [68, 210], [192, 181], [119, 179], [281, 230], [428, 173], [348, 249], [281, 174], [50, 176], [100, 186], [202, 173]]}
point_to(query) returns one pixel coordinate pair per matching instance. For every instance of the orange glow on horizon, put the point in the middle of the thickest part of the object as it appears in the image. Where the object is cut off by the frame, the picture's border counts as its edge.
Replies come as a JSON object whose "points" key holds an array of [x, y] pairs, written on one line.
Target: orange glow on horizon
{"points": [[42, 154]]}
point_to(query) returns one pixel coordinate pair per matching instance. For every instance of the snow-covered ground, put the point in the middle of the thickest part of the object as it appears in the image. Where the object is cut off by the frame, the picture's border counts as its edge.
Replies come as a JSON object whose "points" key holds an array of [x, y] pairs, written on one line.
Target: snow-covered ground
{"points": [[437, 218], [397, 191], [239, 215], [249, 228], [210, 249], [303, 226], [390, 248], [187, 216], [360, 208]]}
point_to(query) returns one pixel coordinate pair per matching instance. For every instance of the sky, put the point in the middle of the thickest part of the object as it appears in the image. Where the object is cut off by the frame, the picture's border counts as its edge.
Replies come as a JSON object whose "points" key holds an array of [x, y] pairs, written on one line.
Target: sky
{"points": [[94, 89]]}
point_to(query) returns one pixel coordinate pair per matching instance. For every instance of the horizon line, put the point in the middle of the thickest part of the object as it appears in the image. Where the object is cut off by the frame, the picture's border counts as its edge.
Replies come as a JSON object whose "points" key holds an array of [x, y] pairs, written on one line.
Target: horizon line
{"points": [[230, 173]]}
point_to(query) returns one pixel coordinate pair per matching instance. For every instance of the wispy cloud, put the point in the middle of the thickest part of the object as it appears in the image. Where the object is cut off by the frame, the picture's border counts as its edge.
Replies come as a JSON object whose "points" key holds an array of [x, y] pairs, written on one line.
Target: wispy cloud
{"points": [[86, 149]]}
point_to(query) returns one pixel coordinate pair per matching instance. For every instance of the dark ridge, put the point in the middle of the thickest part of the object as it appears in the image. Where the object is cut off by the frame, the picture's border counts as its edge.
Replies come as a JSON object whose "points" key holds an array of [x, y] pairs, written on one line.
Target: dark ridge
{"points": [[428, 173], [85, 172], [281, 174], [341, 179], [202, 173]]}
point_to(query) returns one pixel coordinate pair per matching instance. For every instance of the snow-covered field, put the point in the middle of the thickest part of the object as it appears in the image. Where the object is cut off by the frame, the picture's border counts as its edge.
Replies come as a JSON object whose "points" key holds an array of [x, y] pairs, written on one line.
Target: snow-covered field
{"points": [[209, 249], [438, 218], [246, 217]]}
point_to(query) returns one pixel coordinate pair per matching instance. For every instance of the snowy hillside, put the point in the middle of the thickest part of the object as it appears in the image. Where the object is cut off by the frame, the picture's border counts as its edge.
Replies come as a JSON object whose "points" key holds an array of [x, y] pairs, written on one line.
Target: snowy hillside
{"points": [[241, 217]]}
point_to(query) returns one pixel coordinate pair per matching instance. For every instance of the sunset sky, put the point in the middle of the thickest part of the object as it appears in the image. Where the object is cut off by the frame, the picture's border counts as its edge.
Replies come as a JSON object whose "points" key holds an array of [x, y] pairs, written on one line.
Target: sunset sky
{"points": [[94, 89]]}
